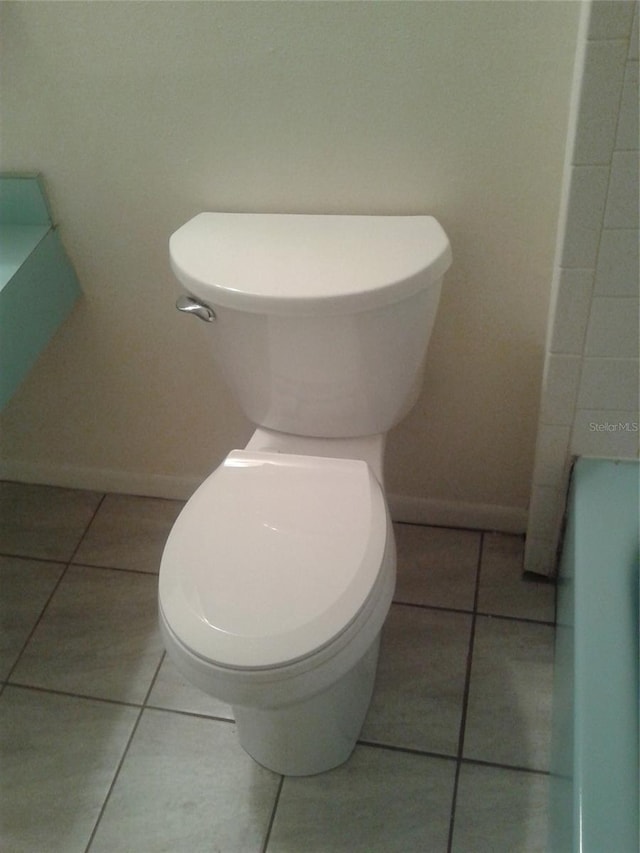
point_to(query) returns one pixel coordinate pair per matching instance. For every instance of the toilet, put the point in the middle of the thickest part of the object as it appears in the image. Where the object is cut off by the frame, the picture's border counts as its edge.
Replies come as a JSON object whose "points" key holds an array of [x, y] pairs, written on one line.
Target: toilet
{"points": [[278, 575]]}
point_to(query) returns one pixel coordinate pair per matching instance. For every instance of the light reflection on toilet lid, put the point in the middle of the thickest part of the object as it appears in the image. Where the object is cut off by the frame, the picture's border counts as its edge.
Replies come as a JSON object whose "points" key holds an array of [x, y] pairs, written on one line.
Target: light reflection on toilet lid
{"points": [[273, 557]]}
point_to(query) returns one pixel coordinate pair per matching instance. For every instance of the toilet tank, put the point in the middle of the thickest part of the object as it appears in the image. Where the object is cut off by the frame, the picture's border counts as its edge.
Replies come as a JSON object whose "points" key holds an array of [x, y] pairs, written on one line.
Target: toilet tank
{"points": [[322, 321]]}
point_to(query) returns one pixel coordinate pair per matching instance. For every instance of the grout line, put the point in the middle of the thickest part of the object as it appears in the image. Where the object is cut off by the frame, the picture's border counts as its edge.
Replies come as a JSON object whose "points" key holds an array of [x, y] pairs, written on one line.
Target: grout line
{"points": [[16, 556], [113, 781], [114, 569], [442, 756], [465, 698], [37, 622], [66, 564], [486, 615], [516, 768], [437, 607], [473, 612], [273, 816], [153, 680], [86, 696], [121, 702], [478, 530], [409, 750], [86, 530], [196, 714], [122, 758]]}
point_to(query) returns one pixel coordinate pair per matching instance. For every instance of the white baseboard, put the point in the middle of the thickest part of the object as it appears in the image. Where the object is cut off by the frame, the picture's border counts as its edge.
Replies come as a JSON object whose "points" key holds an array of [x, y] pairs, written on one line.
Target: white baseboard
{"points": [[403, 508], [102, 480], [413, 510]]}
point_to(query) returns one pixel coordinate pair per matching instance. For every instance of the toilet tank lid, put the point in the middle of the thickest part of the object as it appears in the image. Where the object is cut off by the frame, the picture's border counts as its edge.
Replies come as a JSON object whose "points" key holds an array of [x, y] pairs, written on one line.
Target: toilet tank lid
{"points": [[308, 263]]}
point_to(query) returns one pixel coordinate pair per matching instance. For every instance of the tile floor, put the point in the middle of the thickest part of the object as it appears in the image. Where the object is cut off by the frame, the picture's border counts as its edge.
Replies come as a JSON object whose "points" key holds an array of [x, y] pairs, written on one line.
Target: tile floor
{"points": [[105, 748]]}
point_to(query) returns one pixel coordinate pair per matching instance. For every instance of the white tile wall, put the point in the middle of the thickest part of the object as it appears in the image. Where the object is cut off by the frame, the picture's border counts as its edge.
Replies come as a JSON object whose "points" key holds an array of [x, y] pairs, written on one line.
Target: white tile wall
{"points": [[573, 304], [608, 433], [617, 272], [589, 402], [622, 199], [552, 449], [627, 132], [545, 511], [613, 327], [598, 115], [587, 199], [560, 389], [610, 19], [608, 383], [634, 42]]}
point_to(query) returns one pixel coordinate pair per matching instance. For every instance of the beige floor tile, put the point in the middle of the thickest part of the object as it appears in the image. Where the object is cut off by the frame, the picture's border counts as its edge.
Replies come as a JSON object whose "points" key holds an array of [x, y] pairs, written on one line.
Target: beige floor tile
{"points": [[187, 785], [377, 802], [500, 811], [186, 782], [26, 585], [59, 755], [417, 701], [510, 693], [43, 521], [172, 692], [436, 565], [129, 532], [503, 590], [98, 636]]}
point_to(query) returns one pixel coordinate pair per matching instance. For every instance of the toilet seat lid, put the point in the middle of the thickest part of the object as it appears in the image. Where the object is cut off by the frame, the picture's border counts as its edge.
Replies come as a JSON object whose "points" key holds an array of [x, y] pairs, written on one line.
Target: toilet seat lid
{"points": [[272, 558]]}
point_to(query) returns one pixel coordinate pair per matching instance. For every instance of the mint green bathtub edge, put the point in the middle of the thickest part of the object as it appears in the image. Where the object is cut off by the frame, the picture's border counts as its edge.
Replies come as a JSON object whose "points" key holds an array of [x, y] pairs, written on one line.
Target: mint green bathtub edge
{"points": [[594, 773]]}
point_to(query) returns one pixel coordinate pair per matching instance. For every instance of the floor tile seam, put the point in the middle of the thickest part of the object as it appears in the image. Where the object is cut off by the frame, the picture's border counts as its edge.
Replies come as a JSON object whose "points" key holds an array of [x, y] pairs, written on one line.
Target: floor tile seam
{"points": [[14, 555], [116, 773], [465, 694], [120, 702], [123, 756], [87, 527], [470, 612], [407, 750], [500, 765], [182, 712], [28, 484], [38, 620], [144, 497], [272, 818], [477, 530], [72, 695], [198, 715], [103, 568], [435, 607], [506, 618]]}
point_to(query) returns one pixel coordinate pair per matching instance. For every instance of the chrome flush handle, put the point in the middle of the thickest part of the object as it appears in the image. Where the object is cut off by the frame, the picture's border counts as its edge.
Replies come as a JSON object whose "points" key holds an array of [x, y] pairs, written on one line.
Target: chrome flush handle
{"points": [[191, 306]]}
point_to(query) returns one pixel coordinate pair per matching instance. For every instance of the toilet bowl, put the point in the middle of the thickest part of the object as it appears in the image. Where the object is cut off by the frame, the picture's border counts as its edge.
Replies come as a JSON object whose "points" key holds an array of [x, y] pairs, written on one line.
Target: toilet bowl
{"points": [[274, 584], [278, 574]]}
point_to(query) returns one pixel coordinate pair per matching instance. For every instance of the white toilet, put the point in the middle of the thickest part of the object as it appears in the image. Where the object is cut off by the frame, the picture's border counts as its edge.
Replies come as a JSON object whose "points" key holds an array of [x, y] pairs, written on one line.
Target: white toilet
{"points": [[278, 575]]}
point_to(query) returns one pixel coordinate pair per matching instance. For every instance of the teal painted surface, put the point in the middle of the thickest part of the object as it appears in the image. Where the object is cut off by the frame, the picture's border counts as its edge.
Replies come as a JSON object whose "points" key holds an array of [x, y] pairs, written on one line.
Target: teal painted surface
{"points": [[595, 786], [16, 244], [38, 286], [23, 201]]}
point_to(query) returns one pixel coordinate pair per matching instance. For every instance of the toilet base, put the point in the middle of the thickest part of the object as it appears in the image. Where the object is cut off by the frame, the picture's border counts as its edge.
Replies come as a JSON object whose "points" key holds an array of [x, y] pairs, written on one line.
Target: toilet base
{"points": [[317, 734]]}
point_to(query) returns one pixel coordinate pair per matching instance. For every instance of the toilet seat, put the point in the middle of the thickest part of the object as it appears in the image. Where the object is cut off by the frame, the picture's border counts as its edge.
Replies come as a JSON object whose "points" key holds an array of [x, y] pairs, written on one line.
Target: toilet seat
{"points": [[273, 557]]}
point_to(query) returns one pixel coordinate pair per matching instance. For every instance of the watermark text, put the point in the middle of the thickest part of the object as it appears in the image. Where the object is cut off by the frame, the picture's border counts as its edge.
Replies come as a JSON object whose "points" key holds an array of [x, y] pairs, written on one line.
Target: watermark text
{"points": [[618, 426]]}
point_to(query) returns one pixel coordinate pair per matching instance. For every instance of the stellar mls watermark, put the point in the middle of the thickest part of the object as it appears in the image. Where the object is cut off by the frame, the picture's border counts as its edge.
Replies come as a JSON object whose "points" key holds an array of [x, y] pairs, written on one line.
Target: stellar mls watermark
{"points": [[617, 426]]}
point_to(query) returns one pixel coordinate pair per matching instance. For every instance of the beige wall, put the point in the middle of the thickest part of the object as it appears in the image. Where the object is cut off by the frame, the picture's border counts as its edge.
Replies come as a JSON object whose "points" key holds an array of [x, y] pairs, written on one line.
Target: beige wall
{"points": [[140, 115]]}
